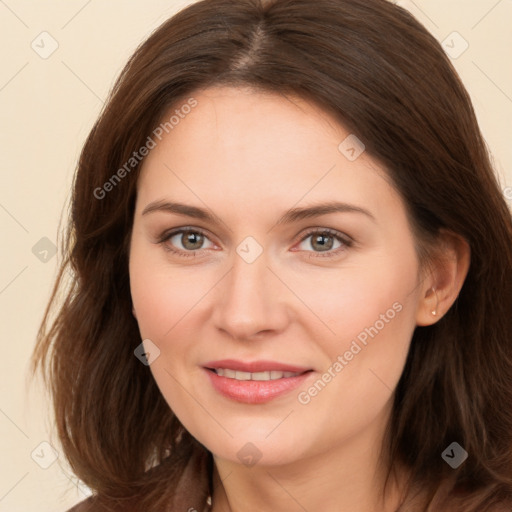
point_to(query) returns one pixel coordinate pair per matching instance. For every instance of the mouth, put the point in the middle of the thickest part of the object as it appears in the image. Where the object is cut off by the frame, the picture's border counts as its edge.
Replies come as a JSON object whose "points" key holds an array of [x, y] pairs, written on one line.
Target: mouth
{"points": [[259, 376], [256, 382]]}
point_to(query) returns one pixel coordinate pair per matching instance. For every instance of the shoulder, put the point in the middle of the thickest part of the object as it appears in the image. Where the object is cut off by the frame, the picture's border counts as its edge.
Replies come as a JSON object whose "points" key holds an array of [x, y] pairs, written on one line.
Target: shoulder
{"points": [[94, 504], [192, 488], [89, 505]]}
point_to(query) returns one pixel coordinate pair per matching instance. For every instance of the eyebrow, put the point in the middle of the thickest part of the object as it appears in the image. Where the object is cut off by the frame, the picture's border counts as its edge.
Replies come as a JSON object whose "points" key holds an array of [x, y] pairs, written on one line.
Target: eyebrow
{"points": [[292, 215]]}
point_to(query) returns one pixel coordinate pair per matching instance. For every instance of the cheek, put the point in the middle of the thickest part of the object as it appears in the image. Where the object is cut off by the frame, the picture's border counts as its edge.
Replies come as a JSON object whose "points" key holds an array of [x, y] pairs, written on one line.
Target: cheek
{"points": [[164, 300], [373, 316], [351, 300], [162, 296], [370, 313]]}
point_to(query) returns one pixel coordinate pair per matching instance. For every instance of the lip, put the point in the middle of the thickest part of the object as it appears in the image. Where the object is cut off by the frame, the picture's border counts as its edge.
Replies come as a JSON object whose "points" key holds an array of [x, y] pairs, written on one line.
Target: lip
{"points": [[255, 391], [255, 366]]}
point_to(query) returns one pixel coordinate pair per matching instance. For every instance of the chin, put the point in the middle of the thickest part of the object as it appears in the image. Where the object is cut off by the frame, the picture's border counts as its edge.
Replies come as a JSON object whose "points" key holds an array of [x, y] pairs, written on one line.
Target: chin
{"points": [[253, 447]]}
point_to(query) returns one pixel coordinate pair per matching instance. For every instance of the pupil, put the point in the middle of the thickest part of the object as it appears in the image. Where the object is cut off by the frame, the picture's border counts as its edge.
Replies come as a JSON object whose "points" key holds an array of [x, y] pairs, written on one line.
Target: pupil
{"points": [[189, 238], [321, 240]]}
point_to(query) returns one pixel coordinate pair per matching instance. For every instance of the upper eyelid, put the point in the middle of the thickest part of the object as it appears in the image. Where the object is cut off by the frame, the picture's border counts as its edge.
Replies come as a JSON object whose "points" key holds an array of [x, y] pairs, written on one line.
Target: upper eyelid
{"points": [[176, 231]]}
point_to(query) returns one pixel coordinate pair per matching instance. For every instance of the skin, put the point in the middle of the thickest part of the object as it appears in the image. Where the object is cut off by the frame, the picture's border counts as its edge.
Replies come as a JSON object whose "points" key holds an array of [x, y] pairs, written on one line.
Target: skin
{"points": [[248, 157]]}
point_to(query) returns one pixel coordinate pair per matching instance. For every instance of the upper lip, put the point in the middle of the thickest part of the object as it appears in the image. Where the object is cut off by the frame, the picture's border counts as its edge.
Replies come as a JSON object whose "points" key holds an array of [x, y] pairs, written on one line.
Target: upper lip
{"points": [[255, 366]]}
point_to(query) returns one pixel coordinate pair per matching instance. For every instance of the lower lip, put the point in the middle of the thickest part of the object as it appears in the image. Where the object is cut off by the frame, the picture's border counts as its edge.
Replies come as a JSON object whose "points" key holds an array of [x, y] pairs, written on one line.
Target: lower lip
{"points": [[255, 391]]}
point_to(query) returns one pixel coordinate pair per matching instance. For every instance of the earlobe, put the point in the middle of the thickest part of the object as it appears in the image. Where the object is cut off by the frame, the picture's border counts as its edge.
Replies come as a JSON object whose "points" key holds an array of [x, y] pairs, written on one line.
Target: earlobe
{"points": [[445, 282], [428, 312]]}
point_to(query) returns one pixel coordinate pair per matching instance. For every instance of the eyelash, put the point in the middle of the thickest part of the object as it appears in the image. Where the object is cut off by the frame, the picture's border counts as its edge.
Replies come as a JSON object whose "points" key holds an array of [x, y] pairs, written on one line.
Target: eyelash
{"points": [[345, 240]]}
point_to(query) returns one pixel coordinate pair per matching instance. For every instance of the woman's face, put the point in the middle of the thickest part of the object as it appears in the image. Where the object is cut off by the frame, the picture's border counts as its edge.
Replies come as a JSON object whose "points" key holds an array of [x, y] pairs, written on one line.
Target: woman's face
{"points": [[263, 284]]}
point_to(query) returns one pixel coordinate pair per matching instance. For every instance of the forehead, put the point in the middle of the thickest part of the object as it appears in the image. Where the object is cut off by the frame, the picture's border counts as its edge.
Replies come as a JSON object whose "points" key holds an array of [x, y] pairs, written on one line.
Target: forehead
{"points": [[247, 147]]}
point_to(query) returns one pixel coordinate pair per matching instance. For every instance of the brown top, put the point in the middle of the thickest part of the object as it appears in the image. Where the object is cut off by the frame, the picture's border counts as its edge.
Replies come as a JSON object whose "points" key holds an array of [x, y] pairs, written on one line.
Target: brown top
{"points": [[192, 489]]}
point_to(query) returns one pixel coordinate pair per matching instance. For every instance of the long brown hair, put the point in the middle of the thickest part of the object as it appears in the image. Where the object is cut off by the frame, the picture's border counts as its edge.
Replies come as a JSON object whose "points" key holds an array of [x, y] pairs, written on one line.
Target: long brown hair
{"points": [[375, 68]]}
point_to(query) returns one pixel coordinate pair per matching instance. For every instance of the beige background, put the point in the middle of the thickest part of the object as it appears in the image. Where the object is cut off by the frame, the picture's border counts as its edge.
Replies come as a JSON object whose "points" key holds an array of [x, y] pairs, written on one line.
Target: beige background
{"points": [[48, 107]]}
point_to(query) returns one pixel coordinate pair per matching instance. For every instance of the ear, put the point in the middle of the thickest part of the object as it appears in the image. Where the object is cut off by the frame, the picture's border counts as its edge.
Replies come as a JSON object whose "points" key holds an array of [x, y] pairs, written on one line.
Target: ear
{"points": [[442, 285]]}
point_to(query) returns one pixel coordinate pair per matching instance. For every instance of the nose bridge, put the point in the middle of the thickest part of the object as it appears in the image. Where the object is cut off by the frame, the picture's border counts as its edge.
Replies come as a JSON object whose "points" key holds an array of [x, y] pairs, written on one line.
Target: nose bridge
{"points": [[249, 298]]}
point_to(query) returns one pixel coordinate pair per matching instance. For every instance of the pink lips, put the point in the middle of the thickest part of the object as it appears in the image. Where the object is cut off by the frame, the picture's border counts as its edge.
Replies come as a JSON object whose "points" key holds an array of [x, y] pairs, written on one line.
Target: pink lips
{"points": [[254, 391]]}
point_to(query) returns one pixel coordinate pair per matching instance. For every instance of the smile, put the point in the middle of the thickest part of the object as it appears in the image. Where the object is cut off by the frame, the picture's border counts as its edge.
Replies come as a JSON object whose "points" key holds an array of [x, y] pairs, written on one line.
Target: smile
{"points": [[255, 382], [261, 376]]}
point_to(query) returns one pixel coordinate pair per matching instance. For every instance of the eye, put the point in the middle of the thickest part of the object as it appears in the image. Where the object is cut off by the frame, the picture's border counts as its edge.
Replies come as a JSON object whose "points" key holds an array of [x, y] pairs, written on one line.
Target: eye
{"points": [[324, 240], [190, 239]]}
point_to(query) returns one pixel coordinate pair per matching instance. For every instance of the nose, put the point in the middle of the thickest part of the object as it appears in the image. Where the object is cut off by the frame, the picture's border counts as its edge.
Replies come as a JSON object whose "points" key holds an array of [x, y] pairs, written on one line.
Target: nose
{"points": [[250, 301]]}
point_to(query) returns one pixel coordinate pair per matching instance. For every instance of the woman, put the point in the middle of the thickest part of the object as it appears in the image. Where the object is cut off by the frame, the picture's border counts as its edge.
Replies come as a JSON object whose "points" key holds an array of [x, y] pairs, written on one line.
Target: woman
{"points": [[293, 274]]}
